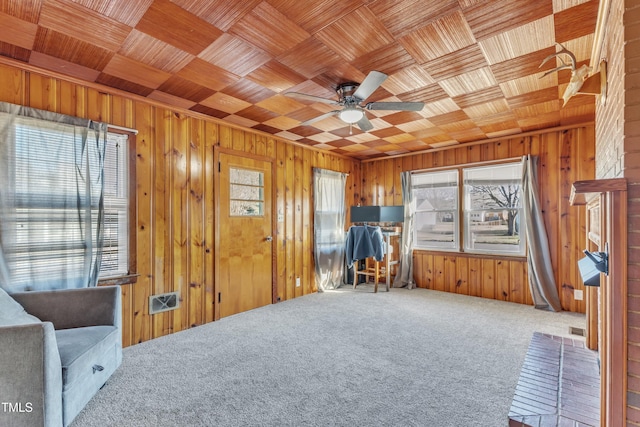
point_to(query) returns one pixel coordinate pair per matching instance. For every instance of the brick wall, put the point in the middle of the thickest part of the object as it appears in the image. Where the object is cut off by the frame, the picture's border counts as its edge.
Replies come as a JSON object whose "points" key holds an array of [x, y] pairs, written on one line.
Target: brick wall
{"points": [[631, 171], [618, 155], [609, 117]]}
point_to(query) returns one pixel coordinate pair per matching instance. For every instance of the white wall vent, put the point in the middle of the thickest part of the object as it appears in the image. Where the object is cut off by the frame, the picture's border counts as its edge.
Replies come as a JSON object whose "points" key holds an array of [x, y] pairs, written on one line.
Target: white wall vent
{"points": [[164, 302]]}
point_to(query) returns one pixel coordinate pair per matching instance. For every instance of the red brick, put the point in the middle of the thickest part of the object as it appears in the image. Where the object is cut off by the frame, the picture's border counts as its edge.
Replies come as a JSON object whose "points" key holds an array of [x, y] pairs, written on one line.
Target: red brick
{"points": [[631, 141], [633, 318], [633, 252], [631, 13], [633, 367], [633, 90], [632, 128], [634, 352], [634, 334], [633, 238], [632, 65], [632, 113], [631, 30], [633, 303], [632, 212], [633, 286], [631, 159], [633, 399], [633, 415], [633, 383], [633, 209]]}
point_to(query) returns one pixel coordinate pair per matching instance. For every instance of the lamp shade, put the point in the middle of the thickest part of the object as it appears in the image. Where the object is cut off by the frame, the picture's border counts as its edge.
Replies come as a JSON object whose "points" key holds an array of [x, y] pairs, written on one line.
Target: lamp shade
{"points": [[350, 115]]}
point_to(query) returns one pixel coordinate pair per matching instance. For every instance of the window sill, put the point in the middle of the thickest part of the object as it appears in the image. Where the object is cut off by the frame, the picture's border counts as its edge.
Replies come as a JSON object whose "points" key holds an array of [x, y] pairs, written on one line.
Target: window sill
{"points": [[128, 279], [522, 258]]}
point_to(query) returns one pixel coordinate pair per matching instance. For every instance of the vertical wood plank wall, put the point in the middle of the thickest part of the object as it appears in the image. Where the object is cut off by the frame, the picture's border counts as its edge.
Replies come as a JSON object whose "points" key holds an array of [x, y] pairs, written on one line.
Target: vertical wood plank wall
{"points": [[176, 202], [564, 157], [176, 205]]}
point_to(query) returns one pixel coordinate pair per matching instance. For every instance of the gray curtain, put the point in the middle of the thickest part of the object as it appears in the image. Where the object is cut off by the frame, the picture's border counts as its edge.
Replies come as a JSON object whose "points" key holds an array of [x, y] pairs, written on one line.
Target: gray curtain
{"points": [[328, 227], [404, 275], [542, 283], [51, 199]]}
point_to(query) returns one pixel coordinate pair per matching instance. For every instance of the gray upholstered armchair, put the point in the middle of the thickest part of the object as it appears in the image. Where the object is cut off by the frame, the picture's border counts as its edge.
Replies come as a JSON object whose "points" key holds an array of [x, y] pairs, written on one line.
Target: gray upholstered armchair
{"points": [[52, 364]]}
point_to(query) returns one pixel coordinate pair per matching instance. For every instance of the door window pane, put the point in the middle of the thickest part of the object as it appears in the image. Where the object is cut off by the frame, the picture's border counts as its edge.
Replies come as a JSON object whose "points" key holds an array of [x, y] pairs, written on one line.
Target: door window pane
{"points": [[246, 192]]}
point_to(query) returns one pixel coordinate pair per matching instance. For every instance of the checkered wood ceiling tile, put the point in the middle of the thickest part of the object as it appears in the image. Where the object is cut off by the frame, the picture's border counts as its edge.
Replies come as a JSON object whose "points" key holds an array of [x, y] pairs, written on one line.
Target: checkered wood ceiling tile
{"points": [[474, 63]]}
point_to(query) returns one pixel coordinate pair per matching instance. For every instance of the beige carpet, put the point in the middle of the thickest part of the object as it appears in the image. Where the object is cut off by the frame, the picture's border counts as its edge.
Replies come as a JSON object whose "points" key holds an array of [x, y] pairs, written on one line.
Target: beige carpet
{"points": [[341, 358]]}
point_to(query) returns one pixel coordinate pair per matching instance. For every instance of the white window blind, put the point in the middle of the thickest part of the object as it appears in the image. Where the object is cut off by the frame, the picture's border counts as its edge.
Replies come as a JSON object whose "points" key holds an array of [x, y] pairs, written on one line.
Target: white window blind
{"points": [[46, 215], [115, 253], [487, 198], [435, 195]]}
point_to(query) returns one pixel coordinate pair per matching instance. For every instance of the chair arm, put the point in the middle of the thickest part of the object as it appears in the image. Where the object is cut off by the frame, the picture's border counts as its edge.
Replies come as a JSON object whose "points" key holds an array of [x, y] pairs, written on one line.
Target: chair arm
{"points": [[74, 308], [30, 376]]}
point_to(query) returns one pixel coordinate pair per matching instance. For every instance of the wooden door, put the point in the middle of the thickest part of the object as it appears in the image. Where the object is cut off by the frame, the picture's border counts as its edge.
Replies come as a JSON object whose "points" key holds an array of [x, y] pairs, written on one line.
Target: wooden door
{"points": [[245, 262]]}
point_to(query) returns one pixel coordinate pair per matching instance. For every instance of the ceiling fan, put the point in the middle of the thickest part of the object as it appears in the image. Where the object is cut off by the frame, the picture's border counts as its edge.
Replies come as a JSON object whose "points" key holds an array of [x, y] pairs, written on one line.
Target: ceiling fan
{"points": [[350, 97]]}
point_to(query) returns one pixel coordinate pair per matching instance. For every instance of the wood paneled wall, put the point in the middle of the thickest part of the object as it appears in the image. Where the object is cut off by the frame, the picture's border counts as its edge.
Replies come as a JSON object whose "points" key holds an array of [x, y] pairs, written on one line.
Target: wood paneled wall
{"points": [[565, 156], [176, 204], [175, 212]]}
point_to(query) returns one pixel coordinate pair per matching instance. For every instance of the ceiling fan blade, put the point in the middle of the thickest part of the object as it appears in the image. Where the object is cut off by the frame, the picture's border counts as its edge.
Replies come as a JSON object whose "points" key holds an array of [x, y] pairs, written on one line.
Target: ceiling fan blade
{"points": [[364, 124], [369, 85], [320, 117], [398, 106], [311, 98]]}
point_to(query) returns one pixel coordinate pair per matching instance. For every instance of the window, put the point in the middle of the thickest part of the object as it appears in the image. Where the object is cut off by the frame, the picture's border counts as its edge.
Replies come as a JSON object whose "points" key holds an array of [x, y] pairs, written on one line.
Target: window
{"points": [[329, 207], [115, 252], [474, 209], [436, 210], [44, 237], [246, 190], [493, 209]]}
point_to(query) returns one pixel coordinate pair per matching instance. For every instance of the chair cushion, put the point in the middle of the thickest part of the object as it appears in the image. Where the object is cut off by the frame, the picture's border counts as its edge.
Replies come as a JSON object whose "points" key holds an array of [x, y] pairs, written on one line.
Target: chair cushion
{"points": [[82, 348], [12, 313]]}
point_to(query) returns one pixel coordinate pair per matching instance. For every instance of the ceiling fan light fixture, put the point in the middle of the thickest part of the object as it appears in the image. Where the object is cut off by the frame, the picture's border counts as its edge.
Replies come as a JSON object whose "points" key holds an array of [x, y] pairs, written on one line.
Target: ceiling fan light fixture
{"points": [[351, 115]]}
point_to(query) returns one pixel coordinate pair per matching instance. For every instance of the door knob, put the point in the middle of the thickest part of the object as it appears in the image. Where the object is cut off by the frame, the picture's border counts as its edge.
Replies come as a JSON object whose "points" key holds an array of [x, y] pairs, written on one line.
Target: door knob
{"points": [[268, 238]]}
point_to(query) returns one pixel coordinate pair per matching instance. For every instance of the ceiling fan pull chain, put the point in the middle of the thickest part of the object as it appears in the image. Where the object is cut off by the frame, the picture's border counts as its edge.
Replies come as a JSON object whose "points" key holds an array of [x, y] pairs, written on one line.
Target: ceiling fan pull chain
{"points": [[350, 128]]}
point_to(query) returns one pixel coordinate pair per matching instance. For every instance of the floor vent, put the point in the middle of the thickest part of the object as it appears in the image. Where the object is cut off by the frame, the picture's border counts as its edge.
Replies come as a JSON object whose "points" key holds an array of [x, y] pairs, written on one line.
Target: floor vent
{"points": [[164, 302], [577, 331]]}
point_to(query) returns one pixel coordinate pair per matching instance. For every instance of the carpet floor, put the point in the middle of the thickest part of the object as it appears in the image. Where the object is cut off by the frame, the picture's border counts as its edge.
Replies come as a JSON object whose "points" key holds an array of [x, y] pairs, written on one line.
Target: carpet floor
{"points": [[340, 358]]}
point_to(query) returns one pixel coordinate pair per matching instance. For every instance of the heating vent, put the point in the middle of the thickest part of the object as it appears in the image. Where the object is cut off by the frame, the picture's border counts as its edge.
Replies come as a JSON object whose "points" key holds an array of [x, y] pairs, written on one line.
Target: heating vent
{"points": [[164, 302], [577, 331]]}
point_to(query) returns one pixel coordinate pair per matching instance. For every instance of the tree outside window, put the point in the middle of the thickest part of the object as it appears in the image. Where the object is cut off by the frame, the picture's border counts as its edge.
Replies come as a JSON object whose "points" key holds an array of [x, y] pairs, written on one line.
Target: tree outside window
{"points": [[488, 204], [493, 209]]}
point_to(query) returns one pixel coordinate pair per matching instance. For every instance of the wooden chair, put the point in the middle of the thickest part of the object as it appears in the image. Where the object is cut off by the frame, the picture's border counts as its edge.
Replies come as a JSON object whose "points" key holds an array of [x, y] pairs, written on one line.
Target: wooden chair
{"points": [[376, 272]]}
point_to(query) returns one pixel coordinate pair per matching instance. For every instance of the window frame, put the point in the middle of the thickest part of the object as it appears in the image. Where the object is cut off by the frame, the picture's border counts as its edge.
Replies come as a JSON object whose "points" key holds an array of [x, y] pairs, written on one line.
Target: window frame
{"points": [[236, 185], [467, 210], [457, 242], [132, 275], [462, 211], [38, 124]]}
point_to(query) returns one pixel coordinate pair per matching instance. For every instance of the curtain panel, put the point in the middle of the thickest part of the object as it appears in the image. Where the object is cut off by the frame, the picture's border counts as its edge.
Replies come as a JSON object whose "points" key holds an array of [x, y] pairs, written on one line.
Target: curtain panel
{"points": [[51, 199], [542, 284], [328, 227], [404, 274]]}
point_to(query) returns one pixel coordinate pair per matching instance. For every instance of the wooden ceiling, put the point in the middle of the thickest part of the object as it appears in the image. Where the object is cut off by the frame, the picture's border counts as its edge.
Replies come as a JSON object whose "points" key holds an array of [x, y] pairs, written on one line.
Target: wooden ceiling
{"points": [[474, 63]]}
